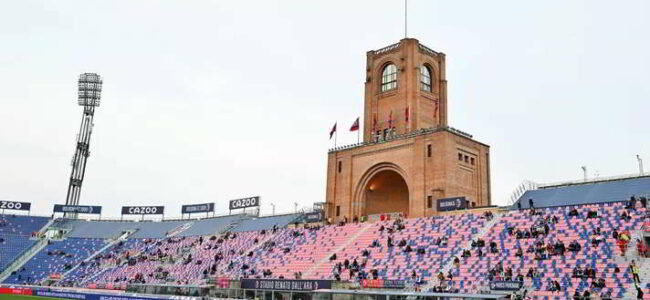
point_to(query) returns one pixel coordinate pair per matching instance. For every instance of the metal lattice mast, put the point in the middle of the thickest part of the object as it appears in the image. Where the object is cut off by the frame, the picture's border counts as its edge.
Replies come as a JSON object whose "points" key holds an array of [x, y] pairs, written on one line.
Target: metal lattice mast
{"points": [[90, 90]]}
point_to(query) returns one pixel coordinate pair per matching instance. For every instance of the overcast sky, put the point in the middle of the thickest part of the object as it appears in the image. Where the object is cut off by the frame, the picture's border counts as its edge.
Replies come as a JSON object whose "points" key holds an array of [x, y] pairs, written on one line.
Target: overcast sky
{"points": [[206, 101]]}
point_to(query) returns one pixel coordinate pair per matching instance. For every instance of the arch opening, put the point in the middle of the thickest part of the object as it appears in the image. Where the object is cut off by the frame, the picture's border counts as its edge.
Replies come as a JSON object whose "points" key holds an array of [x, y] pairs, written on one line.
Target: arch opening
{"points": [[386, 192]]}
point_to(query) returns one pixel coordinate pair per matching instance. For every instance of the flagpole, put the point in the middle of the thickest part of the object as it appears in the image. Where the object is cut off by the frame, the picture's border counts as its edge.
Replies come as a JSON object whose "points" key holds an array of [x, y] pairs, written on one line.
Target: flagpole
{"points": [[358, 134], [336, 134]]}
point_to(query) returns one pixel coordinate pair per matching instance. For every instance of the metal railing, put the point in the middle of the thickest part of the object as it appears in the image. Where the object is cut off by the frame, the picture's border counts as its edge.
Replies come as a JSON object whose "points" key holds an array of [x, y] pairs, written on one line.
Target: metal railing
{"points": [[417, 132], [388, 48], [593, 180]]}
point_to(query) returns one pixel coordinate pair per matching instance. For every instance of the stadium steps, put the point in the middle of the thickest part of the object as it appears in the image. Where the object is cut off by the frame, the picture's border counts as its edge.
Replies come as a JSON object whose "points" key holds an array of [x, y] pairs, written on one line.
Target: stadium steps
{"points": [[644, 272], [46, 226], [21, 260], [309, 272], [468, 245]]}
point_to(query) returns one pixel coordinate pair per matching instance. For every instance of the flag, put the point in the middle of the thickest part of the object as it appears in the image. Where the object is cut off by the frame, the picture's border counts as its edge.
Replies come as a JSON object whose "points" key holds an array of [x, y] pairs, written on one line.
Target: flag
{"points": [[406, 114], [355, 125], [390, 120], [332, 131]]}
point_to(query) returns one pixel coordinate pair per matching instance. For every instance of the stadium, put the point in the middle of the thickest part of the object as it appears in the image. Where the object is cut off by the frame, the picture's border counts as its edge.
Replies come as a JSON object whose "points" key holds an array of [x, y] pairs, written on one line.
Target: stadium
{"points": [[408, 213]]}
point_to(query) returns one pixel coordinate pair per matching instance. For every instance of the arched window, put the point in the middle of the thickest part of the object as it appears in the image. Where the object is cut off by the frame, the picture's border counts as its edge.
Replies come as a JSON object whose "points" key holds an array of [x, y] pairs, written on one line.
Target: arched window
{"points": [[425, 78], [389, 78]]}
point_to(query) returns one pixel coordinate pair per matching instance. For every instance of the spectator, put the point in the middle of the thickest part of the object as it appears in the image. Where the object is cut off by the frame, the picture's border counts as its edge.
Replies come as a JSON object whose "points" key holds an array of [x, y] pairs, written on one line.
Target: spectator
{"points": [[573, 213], [586, 295], [457, 261], [644, 202], [519, 252], [493, 247], [632, 203], [402, 243], [576, 295], [639, 292], [333, 257], [519, 205], [607, 295], [531, 203], [634, 269]]}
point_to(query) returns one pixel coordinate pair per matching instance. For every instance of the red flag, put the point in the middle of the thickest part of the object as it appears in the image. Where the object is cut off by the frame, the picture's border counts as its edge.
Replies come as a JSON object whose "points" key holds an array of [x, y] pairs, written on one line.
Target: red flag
{"points": [[332, 131], [390, 120], [406, 114], [355, 125]]}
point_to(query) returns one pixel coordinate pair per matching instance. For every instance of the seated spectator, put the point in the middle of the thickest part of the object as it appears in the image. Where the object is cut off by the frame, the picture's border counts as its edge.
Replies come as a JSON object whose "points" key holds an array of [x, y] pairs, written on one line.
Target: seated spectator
{"points": [[519, 234], [365, 253], [390, 242], [402, 243], [480, 243], [632, 203], [576, 295], [479, 253], [615, 234], [625, 216], [573, 213], [607, 295], [519, 252], [375, 243], [408, 249], [333, 257], [421, 251], [574, 246], [444, 241], [519, 277], [457, 262], [474, 244], [530, 249], [493, 247], [592, 214], [577, 272], [586, 295]]}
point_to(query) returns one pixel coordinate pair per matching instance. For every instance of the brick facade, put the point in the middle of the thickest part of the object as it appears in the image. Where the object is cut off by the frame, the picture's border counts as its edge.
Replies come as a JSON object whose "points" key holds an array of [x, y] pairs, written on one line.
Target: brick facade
{"points": [[415, 161]]}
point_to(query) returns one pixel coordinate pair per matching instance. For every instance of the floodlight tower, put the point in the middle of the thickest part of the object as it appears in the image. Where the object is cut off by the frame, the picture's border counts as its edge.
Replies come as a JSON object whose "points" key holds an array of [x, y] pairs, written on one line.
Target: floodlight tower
{"points": [[90, 92]]}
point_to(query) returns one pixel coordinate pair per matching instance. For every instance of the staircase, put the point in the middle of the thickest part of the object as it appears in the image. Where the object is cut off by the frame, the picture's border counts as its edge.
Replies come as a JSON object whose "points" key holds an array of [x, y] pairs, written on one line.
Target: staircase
{"points": [[445, 268], [47, 225], [21, 260], [339, 249]]}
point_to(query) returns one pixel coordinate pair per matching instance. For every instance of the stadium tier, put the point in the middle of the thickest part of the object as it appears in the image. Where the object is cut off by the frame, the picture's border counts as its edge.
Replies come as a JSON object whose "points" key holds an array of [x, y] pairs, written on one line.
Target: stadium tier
{"points": [[16, 236], [556, 250]]}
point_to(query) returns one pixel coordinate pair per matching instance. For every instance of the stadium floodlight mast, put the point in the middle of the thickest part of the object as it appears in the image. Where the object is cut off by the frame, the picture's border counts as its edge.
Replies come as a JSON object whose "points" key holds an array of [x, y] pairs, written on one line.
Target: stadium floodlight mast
{"points": [[89, 95]]}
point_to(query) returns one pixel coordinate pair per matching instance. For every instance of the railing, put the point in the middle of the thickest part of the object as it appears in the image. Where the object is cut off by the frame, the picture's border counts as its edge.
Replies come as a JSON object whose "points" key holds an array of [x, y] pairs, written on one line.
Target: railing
{"points": [[520, 190], [427, 50], [594, 180], [24, 257], [417, 132], [387, 48]]}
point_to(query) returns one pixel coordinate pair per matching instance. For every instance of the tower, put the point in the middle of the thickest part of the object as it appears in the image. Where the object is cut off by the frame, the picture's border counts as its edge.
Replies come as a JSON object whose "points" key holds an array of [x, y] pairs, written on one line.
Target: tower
{"points": [[89, 95], [405, 90], [411, 160]]}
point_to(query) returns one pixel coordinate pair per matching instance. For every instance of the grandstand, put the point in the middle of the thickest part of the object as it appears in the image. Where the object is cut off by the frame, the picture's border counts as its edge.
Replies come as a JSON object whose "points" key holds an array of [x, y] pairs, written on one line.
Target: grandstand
{"points": [[193, 252]]}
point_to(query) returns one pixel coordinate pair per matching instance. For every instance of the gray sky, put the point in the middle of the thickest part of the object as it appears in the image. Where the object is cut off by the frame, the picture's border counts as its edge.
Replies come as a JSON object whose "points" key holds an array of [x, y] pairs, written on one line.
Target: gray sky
{"points": [[212, 100]]}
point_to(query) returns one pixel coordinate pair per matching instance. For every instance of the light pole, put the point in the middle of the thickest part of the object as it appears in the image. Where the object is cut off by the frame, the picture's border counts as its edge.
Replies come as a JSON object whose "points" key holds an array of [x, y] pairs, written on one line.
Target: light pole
{"points": [[273, 205], [89, 95], [638, 158], [584, 171]]}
